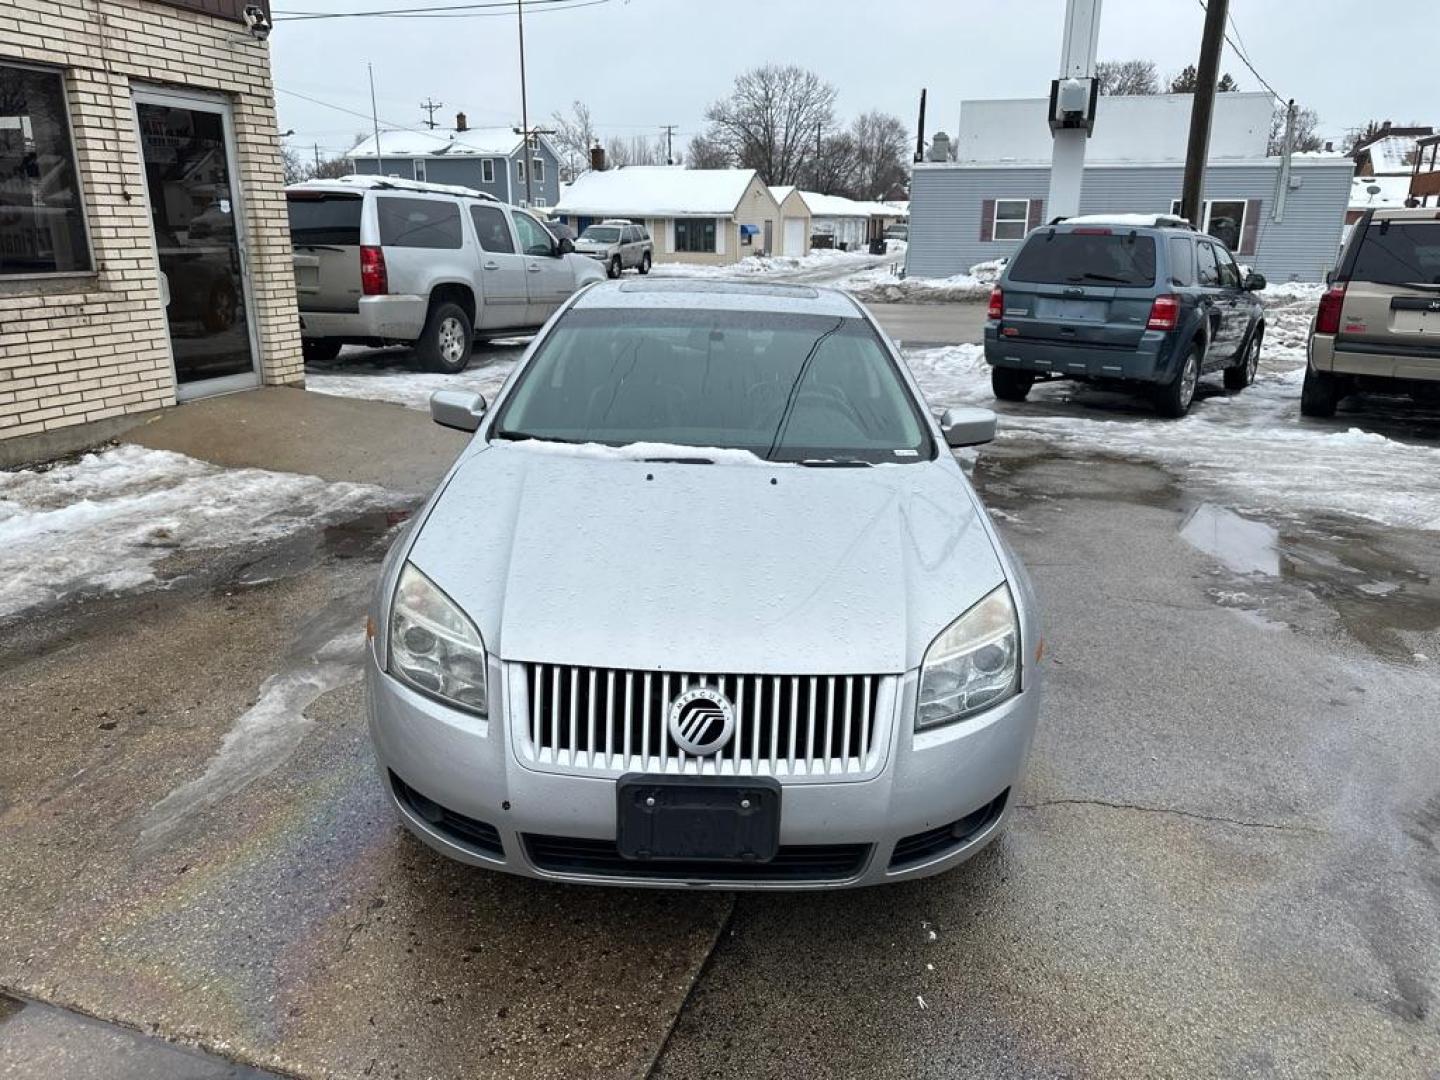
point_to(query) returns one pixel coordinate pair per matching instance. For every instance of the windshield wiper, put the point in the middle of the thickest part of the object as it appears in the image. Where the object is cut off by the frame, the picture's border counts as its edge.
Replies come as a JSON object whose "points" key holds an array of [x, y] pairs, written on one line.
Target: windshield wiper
{"points": [[835, 463], [1099, 277], [521, 436], [680, 460]]}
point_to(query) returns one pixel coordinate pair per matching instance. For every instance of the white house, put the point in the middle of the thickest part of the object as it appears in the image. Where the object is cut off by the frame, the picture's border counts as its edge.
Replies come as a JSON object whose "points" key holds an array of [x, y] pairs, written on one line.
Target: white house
{"points": [[715, 216], [795, 220], [981, 206]]}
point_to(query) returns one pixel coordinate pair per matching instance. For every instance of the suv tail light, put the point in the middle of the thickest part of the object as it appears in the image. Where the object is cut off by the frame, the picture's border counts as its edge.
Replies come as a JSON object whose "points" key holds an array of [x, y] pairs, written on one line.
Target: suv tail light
{"points": [[997, 304], [1327, 321], [1164, 312], [374, 281]]}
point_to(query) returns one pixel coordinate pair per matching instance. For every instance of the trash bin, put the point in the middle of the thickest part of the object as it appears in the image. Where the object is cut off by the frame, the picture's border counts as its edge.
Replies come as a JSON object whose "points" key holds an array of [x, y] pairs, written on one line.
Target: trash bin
{"points": [[877, 246]]}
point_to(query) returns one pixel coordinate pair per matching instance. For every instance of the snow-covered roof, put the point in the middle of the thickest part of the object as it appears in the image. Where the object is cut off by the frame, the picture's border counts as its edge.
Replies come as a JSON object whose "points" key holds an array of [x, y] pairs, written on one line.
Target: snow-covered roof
{"points": [[1388, 153], [1141, 127], [781, 193], [472, 142], [1394, 190], [839, 206], [659, 191]]}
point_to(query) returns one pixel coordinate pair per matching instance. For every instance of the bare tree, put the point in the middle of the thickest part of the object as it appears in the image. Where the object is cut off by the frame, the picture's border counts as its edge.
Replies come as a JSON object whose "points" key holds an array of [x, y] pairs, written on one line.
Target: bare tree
{"points": [[293, 164], [1307, 136], [573, 138], [834, 171], [330, 168], [707, 153], [882, 149], [634, 150], [1127, 77], [773, 119]]}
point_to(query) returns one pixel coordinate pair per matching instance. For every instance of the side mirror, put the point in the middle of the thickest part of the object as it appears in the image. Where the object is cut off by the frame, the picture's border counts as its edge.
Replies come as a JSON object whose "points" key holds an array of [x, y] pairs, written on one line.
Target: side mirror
{"points": [[967, 425], [1254, 282], [1329, 277], [457, 409], [567, 246]]}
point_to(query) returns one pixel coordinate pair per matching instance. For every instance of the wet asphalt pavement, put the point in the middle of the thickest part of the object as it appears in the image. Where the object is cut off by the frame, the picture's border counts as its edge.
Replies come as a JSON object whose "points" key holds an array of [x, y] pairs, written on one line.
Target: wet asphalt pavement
{"points": [[1225, 860]]}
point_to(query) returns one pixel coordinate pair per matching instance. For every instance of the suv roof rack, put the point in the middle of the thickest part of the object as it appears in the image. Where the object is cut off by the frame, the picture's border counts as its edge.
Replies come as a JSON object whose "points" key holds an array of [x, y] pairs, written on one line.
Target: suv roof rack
{"points": [[397, 183], [1139, 221]]}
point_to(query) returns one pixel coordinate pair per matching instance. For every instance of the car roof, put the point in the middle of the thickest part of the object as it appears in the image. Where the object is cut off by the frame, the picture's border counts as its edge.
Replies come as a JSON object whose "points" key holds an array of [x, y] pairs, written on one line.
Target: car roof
{"points": [[363, 182], [719, 296], [1409, 213], [1157, 222]]}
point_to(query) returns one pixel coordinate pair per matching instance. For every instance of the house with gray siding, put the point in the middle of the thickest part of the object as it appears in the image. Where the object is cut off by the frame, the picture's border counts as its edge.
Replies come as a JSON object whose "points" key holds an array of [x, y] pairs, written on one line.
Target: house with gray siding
{"points": [[490, 159], [1286, 224]]}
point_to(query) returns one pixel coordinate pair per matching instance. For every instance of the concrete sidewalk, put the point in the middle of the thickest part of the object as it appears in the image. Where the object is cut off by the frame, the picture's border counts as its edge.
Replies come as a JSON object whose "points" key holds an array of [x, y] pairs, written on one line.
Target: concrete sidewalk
{"points": [[292, 430]]}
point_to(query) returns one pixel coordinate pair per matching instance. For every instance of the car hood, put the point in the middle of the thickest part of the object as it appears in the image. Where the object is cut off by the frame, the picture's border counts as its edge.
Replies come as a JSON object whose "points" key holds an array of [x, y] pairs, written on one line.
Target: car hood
{"points": [[582, 558], [592, 245]]}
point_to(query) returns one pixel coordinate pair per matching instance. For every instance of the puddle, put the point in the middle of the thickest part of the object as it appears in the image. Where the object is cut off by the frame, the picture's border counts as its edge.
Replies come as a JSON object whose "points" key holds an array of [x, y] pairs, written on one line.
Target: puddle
{"points": [[364, 537], [1239, 544]]}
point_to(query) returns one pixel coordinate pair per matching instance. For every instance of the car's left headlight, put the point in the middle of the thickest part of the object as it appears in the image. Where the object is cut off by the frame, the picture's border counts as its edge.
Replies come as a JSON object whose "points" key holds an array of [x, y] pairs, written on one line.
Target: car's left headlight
{"points": [[973, 665], [433, 645]]}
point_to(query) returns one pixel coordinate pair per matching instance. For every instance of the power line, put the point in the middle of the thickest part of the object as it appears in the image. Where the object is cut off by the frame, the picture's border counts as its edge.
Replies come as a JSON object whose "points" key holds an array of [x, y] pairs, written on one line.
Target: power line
{"points": [[388, 123], [1243, 58], [488, 9], [430, 105]]}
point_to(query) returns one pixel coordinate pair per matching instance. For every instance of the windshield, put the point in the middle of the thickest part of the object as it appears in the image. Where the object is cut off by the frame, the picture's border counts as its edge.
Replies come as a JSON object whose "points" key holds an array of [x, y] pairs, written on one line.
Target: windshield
{"points": [[601, 234], [1399, 253], [784, 387], [1085, 258]]}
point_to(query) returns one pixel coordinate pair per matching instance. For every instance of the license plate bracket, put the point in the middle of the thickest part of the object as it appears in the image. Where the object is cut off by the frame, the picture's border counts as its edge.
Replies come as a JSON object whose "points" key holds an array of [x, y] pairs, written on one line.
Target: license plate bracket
{"points": [[699, 818]]}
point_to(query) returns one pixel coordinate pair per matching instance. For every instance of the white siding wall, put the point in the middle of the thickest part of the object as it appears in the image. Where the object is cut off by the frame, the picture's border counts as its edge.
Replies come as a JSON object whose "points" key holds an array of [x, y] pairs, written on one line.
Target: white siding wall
{"points": [[946, 202]]}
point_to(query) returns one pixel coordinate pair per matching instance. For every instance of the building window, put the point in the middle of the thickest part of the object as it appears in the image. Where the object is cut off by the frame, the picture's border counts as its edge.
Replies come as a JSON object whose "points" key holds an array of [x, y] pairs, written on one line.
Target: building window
{"points": [[487, 171], [1224, 219], [539, 202], [42, 221], [695, 235], [537, 169], [520, 170], [419, 169], [1012, 217]]}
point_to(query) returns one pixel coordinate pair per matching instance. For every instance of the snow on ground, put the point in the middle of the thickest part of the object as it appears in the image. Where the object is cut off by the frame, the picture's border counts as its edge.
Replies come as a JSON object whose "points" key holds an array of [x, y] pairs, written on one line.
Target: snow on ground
{"points": [[1252, 447], [884, 285], [104, 522], [390, 377], [820, 260]]}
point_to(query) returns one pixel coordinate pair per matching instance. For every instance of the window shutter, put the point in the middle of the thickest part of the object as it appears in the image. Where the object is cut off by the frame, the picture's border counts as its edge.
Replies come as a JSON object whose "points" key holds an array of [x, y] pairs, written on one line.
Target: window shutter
{"points": [[1252, 227], [1035, 214], [987, 219]]}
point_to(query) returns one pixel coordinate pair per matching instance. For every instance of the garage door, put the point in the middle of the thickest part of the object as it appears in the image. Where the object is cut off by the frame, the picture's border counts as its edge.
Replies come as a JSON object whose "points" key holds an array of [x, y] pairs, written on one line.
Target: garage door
{"points": [[794, 236]]}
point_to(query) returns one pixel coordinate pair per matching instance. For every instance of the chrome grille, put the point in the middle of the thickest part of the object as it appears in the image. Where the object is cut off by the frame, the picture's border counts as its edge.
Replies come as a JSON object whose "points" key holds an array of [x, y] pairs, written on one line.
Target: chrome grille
{"points": [[613, 720]]}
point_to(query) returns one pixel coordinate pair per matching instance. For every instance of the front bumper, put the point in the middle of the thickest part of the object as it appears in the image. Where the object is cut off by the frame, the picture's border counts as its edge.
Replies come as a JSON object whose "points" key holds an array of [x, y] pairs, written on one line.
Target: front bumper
{"points": [[389, 318], [1150, 361], [480, 804]]}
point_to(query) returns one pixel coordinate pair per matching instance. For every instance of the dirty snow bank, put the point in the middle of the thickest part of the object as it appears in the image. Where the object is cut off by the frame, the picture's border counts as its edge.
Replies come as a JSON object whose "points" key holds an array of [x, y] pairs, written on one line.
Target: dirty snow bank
{"points": [[777, 266], [403, 385], [104, 522], [883, 285]]}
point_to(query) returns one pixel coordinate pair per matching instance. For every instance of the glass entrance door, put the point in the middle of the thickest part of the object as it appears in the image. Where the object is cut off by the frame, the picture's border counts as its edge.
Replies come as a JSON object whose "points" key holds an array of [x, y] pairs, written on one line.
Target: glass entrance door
{"points": [[188, 155]]}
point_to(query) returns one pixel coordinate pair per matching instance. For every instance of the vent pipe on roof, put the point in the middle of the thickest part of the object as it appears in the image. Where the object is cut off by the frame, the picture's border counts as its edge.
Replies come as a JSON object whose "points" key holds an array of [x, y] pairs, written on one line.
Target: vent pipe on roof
{"points": [[920, 130], [597, 158], [460, 122]]}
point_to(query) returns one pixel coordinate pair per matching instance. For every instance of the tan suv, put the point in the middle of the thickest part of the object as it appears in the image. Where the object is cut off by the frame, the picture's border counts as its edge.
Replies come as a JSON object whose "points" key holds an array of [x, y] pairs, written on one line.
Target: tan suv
{"points": [[1378, 326]]}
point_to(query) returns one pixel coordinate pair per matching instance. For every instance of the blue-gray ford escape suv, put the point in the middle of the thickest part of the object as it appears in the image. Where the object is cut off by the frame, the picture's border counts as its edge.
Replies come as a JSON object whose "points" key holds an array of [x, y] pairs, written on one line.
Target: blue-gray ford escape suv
{"points": [[1127, 298]]}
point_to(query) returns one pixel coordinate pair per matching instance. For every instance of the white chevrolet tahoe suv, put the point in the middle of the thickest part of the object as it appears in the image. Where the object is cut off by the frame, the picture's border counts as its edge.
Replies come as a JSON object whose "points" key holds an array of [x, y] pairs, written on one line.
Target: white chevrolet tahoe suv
{"points": [[381, 261]]}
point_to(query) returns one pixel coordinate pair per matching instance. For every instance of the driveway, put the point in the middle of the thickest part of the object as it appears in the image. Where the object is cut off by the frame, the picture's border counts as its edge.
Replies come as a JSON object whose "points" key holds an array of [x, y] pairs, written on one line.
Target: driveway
{"points": [[1224, 860]]}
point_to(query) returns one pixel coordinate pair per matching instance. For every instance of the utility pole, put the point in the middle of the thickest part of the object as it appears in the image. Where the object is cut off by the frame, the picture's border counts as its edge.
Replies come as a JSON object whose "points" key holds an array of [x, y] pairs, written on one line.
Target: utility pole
{"points": [[375, 119], [1287, 148], [1202, 107], [524, 107], [430, 105], [1073, 98], [317, 157], [669, 130]]}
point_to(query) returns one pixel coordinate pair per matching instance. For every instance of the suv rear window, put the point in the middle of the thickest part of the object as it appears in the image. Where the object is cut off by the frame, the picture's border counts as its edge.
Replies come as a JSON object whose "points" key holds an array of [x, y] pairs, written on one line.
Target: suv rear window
{"points": [[418, 223], [324, 220], [1076, 258], [1399, 253]]}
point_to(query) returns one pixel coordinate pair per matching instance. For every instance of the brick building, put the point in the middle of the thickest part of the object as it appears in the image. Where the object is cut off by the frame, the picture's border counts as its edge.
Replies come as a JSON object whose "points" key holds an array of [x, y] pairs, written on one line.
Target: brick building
{"points": [[144, 247]]}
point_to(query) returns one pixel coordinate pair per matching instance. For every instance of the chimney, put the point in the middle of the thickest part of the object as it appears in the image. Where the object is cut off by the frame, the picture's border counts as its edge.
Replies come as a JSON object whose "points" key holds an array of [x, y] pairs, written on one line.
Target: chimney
{"points": [[597, 158], [940, 147], [460, 122], [1329, 148]]}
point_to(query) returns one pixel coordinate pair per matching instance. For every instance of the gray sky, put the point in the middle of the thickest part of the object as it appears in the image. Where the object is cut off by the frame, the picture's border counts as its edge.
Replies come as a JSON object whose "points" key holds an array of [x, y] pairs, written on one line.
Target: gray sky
{"points": [[639, 64]]}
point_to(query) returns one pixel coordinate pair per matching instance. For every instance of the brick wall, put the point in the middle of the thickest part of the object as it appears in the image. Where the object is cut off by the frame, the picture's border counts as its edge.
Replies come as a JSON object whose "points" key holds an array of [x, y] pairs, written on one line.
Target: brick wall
{"points": [[81, 349]]}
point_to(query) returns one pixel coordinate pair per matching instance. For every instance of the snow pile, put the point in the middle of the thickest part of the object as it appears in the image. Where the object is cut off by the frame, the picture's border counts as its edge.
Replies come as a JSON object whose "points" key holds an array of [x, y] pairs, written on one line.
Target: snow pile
{"points": [[403, 385], [1280, 292], [778, 266], [104, 522], [883, 286]]}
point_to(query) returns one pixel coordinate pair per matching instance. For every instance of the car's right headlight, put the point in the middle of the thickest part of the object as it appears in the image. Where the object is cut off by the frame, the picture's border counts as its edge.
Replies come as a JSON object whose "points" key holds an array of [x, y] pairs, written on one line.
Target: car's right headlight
{"points": [[434, 646], [973, 665]]}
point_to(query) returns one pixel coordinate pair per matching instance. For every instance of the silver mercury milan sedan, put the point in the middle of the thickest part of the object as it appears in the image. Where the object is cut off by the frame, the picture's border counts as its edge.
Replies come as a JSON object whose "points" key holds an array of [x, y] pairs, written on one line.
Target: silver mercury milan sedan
{"points": [[706, 602]]}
